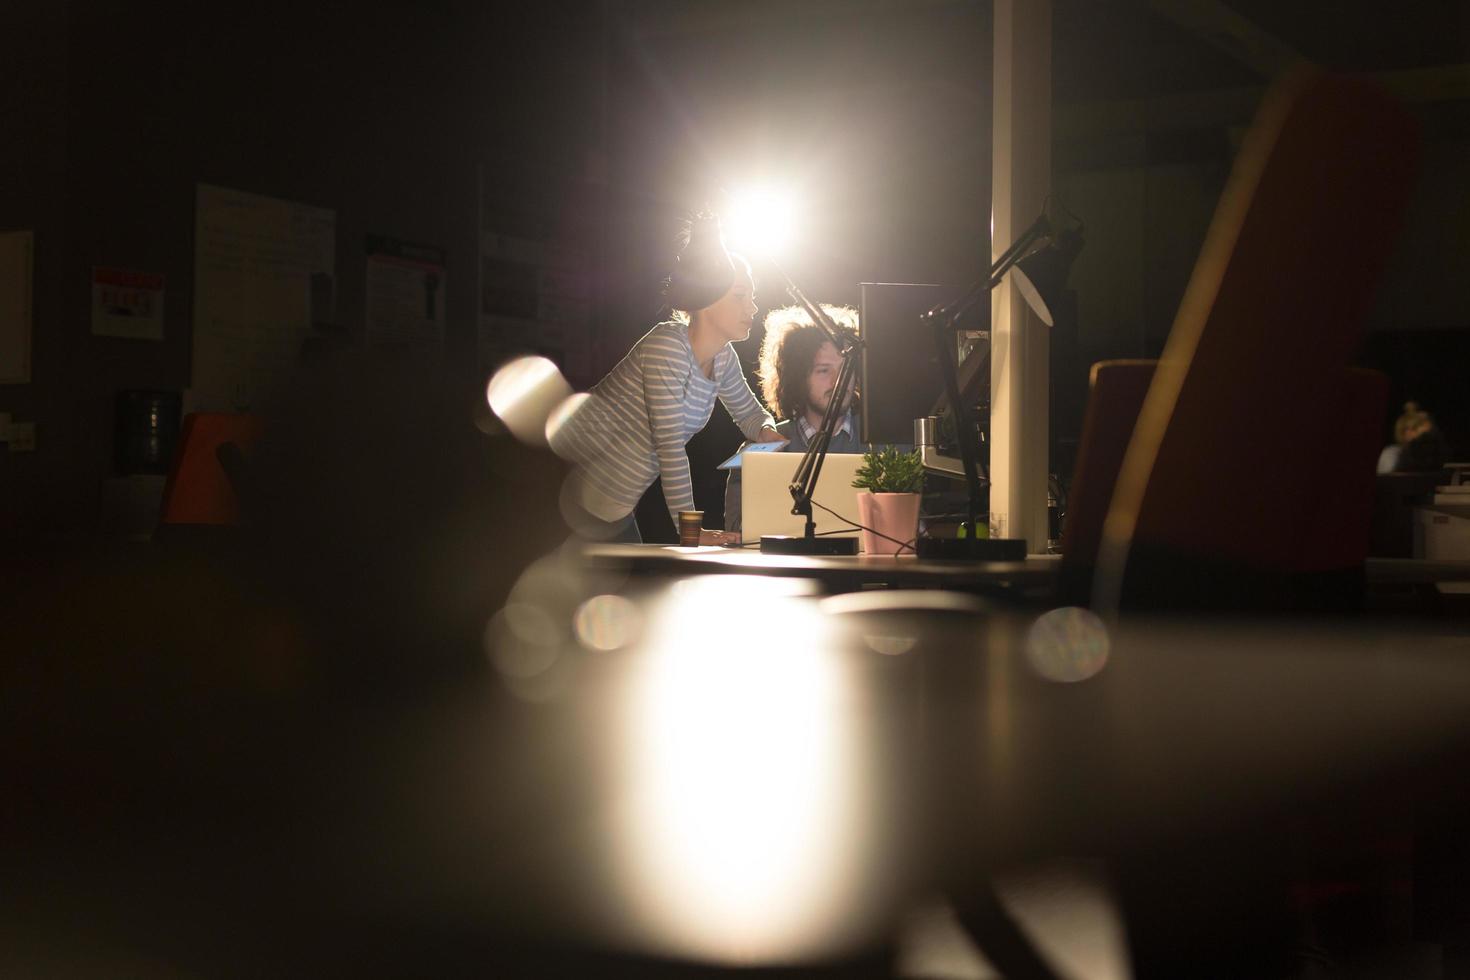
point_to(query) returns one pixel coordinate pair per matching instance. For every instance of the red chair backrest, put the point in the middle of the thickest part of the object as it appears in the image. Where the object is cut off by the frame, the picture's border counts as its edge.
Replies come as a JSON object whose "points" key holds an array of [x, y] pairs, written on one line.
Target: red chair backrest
{"points": [[1332, 520], [1226, 462], [1115, 395]]}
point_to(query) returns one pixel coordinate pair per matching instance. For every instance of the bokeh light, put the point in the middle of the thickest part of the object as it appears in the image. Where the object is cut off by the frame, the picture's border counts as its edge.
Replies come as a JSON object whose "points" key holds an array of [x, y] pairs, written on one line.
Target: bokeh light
{"points": [[523, 393], [607, 622], [890, 644], [523, 640], [898, 611], [562, 412], [530, 641], [1068, 645]]}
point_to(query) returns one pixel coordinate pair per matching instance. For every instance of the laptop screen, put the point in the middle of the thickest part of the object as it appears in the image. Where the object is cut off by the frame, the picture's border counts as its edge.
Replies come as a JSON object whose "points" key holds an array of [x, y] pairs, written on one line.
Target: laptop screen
{"points": [[765, 495]]}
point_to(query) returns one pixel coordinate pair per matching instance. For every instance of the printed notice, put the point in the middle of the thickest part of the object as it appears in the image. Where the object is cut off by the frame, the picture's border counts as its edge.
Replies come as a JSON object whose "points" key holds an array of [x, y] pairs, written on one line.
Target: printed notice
{"points": [[127, 304], [405, 292]]}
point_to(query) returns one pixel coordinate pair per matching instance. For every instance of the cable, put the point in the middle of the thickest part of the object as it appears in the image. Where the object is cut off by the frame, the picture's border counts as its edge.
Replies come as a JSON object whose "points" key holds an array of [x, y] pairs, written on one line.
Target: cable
{"points": [[862, 527], [901, 544]]}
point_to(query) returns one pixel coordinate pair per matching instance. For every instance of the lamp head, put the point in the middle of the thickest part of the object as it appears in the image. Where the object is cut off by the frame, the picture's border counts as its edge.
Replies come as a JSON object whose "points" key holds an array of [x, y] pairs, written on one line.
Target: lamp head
{"points": [[1041, 277], [760, 221]]}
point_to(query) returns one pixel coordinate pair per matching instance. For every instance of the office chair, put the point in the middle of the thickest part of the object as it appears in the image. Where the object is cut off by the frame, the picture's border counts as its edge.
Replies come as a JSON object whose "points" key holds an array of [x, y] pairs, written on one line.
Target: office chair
{"points": [[1333, 523], [1246, 484], [1116, 389], [1227, 493]]}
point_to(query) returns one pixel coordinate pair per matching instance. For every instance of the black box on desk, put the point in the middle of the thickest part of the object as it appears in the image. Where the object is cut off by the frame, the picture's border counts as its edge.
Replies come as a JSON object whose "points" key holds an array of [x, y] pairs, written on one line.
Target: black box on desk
{"points": [[972, 549]]}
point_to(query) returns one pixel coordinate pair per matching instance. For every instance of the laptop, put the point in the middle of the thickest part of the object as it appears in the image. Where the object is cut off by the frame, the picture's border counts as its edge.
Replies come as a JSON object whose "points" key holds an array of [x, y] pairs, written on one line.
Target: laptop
{"points": [[765, 495]]}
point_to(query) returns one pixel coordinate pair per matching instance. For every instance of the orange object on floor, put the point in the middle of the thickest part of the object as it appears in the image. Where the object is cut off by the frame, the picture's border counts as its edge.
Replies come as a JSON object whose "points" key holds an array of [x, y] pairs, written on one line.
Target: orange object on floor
{"points": [[198, 490]]}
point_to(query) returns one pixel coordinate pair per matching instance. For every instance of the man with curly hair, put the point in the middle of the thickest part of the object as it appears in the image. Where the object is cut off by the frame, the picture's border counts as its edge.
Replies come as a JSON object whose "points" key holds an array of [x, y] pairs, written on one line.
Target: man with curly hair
{"points": [[798, 371]]}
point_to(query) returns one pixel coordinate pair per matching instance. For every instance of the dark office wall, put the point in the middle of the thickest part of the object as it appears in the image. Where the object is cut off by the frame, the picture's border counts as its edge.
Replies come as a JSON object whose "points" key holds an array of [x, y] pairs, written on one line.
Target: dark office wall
{"points": [[1147, 220], [1425, 287], [33, 73], [380, 112], [1144, 228]]}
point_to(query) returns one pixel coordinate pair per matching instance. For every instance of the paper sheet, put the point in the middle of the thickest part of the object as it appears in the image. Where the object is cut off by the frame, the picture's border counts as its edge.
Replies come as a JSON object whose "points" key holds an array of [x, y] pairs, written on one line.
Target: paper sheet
{"points": [[255, 259]]}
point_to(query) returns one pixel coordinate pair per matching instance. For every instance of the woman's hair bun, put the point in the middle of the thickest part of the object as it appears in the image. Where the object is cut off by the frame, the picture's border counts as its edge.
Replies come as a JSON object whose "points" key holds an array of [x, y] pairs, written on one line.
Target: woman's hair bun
{"points": [[703, 271]]}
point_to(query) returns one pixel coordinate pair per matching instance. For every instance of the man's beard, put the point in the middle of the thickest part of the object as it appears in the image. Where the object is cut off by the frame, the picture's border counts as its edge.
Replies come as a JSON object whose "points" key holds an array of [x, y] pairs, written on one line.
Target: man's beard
{"points": [[821, 409]]}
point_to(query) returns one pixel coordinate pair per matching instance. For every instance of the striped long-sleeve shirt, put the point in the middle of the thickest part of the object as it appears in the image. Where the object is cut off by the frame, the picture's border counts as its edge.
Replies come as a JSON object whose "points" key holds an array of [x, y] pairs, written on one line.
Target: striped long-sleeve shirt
{"points": [[633, 426]]}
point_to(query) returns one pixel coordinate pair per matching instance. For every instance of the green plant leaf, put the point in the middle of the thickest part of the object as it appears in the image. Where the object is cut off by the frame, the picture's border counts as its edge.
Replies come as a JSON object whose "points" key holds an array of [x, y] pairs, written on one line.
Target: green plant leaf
{"points": [[890, 470]]}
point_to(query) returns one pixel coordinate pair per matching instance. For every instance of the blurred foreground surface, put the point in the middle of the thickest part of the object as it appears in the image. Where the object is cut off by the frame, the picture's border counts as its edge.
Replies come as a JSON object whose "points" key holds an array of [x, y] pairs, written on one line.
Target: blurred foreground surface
{"points": [[209, 773]]}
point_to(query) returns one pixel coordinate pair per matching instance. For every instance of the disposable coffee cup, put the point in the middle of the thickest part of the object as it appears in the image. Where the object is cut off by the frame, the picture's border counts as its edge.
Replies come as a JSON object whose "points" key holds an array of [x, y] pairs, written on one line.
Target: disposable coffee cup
{"points": [[690, 521]]}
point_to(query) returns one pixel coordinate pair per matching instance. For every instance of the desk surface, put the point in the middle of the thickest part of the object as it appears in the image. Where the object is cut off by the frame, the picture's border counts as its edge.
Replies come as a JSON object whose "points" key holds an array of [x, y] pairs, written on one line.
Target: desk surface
{"points": [[1035, 576], [1036, 572]]}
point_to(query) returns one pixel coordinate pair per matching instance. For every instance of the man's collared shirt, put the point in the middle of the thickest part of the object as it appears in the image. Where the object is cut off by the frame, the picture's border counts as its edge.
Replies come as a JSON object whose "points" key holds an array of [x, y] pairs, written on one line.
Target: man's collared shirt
{"points": [[808, 430]]}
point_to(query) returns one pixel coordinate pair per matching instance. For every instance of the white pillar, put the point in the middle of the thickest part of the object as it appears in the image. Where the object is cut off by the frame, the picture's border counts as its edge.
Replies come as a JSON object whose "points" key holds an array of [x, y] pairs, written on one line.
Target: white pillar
{"points": [[1020, 343]]}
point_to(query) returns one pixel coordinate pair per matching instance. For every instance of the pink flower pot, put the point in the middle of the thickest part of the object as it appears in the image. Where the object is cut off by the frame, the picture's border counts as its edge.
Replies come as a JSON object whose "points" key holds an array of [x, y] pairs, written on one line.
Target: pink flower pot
{"points": [[895, 515]]}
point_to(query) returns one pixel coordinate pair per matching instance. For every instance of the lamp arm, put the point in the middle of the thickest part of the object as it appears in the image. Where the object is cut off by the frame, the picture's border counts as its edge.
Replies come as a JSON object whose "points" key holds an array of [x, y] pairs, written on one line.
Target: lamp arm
{"points": [[804, 482], [819, 316], [1040, 228], [943, 319], [1019, 249]]}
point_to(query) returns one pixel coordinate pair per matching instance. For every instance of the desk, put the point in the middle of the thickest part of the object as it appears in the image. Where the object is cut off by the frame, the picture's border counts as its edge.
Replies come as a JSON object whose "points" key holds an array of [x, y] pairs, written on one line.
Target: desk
{"points": [[1034, 577]]}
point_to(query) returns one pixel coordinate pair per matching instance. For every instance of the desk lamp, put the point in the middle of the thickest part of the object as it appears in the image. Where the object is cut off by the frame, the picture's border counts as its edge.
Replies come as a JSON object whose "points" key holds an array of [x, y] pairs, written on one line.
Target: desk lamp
{"points": [[1040, 259], [804, 480], [762, 220]]}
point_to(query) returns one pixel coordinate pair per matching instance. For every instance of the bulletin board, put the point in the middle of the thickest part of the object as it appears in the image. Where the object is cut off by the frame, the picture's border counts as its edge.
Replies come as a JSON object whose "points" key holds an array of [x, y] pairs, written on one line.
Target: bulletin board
{"points": [[264, 270]]}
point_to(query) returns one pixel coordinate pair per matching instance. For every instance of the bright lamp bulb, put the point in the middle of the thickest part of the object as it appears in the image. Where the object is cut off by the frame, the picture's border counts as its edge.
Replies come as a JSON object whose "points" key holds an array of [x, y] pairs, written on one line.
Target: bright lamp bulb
{"points": [[759, 220]]}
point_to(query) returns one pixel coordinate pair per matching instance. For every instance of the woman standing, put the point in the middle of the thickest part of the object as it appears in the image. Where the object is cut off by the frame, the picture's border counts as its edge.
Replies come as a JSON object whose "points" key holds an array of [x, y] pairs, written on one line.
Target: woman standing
{"points": [[633, 426]]}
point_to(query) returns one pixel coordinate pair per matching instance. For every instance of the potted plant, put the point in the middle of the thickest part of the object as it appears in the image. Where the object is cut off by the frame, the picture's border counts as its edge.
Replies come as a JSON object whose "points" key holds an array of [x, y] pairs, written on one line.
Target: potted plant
{"points": [[894, 480]]}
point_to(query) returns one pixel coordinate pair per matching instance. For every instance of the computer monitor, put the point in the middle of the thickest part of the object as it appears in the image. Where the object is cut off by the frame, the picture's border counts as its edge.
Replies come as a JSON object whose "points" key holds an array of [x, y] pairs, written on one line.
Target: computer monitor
{"points": [[899, 377]]}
